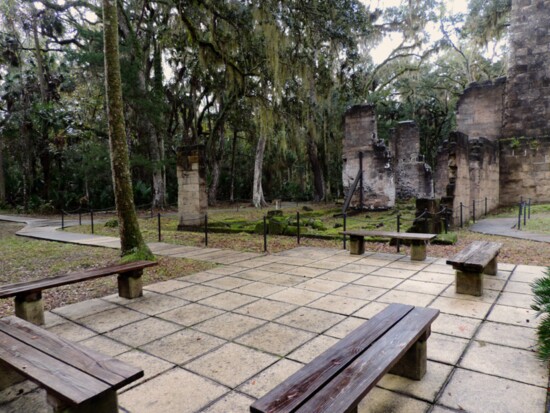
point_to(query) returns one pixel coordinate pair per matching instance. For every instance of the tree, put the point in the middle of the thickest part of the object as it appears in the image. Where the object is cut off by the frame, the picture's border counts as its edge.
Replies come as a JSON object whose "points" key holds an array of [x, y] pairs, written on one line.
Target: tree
{"points": [[131, 241]]}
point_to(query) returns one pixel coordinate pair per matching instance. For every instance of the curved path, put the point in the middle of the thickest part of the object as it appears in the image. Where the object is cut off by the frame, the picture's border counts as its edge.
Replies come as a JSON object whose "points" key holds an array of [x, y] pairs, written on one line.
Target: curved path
{"points": [[506, 227], [49, 229]]}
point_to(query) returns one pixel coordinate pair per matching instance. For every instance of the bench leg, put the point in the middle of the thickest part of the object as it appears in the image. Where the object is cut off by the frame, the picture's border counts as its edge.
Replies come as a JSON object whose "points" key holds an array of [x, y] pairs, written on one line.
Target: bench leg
{"points": [[356, 245], [469, 283], [130, 284], [413, 363], [418, 251], [491, 268], [9, 377], [105, 403], [30, 307]]}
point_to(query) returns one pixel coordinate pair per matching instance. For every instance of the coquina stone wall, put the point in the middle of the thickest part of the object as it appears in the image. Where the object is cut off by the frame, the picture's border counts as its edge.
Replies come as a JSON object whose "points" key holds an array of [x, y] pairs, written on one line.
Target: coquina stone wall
{"points": [[480, 109], [524, 170], [192, 197], [413, 177], [361, 137]]}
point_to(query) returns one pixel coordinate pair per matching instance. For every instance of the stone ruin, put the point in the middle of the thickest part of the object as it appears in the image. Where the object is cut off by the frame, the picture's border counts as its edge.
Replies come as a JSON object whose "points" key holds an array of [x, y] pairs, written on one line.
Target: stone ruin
{"points": [[375, 174], [500, 151], [192, 196]]}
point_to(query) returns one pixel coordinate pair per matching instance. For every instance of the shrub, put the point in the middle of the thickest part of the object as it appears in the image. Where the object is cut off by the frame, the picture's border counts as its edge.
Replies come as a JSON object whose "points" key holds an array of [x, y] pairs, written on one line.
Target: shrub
{"points": [[541, 289], [112, 223]]}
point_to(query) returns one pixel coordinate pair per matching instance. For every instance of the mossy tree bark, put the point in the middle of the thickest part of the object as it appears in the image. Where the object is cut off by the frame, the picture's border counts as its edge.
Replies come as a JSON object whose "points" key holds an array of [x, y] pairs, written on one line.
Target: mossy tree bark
{"points": [[131, 240]]}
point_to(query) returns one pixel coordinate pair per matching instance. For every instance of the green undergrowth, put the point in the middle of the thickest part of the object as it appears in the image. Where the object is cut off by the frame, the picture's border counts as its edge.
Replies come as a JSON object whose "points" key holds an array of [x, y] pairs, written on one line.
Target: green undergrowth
{"points": [[541, 289]]}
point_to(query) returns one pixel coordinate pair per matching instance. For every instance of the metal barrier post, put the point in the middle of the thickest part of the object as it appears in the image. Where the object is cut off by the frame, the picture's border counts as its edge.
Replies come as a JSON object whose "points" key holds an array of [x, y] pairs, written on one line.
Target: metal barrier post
{"points": [[92, 219], [298, 226], [265, 234], [529, 205], [524, 215], [158, 224], [461, 220], [474, 210], [485, 206], [62, 220], [398, 244], [345, 222], [206, 230], [519, 215], [79, 217]]}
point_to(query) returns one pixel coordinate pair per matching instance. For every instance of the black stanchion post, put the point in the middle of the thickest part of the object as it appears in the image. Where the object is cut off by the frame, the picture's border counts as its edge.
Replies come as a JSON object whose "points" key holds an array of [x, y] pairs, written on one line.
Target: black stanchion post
{"points": [[62, 220], [461, 218], [529, 205], [265, 234], [524, 215], [92, 219], [345, 224], [79, 217], [206, 230], [298, 226], [158, 225], [474, 210], [519, 215], [398, 244], [485, 206], [446, 219]]}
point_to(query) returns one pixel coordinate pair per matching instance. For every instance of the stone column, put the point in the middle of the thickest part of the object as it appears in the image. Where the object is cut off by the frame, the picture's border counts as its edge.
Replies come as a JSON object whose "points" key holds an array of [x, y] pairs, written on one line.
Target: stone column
{"points": [[192, 197]]}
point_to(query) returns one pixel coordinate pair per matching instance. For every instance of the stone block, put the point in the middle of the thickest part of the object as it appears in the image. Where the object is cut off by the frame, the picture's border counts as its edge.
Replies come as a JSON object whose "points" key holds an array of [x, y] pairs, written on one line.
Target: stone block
{"points": [[412, 364], [130, 284], [30, 307], [470, 283]]}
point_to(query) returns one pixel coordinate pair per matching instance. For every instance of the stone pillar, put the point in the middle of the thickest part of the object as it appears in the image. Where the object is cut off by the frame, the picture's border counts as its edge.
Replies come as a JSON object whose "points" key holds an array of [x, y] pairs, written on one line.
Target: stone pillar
{"points": [[192, 197], [361, 137]]}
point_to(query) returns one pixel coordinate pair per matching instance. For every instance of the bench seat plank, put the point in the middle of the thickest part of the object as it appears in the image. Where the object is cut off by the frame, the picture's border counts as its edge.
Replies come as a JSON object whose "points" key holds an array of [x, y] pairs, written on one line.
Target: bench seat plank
{"points": [[67, 383], [28, 287], [347, 389], [476, 256], [112, 372], [290, 394], [388, 234]]}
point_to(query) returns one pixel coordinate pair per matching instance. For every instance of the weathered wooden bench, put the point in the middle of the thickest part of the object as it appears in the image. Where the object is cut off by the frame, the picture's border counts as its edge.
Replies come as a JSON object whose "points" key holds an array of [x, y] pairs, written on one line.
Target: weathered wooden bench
{"points": [[28, 294], [395, 341], [471, 263], [418, 241], [76, 379]]}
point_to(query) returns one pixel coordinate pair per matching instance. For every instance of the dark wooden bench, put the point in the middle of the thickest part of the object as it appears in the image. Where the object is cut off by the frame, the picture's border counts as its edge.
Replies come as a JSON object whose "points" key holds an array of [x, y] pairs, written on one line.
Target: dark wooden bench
{"points": [[471, 263], [28, 294], [74, 377], [418, 241], [392, 341]]}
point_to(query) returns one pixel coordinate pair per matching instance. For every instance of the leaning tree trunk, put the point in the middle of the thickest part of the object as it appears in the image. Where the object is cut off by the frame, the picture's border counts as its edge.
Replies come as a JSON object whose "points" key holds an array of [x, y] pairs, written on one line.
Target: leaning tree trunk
{"points": [[257, 191], [131, 240], [318, 176], [2, 177]]}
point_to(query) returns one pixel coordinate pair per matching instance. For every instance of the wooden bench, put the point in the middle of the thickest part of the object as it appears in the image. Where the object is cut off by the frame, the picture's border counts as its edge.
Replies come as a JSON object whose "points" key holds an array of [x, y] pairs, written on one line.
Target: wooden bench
{"points": [[471, 263], [418, 241], [28, 294], [392, 341], [76, 379]]}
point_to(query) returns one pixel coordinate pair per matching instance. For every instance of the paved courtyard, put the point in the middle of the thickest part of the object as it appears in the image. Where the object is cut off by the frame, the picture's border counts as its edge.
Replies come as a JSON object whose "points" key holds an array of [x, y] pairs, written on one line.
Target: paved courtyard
{"points": [[216, 340]]}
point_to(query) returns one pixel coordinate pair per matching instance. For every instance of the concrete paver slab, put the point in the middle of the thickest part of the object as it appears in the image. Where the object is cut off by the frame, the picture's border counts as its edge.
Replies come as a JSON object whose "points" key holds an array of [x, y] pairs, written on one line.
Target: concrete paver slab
{"points": [[229, 325], [231, 402], [172, 392], [260, 384], [461, 307], [195, 292], [480, 393], [231, 364], [507, 362], [143, 331], [190, 314], [446, 349], [105, 345], [111, 319], [454, 325], [378, 281], [182, 346], [276, 339], [514, 315], [227, 283], [310, 319], [362, 292], [341, 276], [72, 331], [167, 286], [508, 335], [266, 309], [228, 300], [152, 366], [84, 308], [344, 327], [338, 304], [296, 296], [312, 349], [381, 400], [152, 303]]}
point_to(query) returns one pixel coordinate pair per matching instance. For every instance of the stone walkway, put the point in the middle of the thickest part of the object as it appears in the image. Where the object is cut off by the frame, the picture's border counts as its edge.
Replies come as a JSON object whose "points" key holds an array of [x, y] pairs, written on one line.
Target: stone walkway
{"points": [[216, 340], [506, 227]]}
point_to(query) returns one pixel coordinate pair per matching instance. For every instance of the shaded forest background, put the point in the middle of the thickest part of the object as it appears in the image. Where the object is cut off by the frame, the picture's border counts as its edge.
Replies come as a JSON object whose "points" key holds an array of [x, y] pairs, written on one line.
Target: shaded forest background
{"points": [[262, 84]]}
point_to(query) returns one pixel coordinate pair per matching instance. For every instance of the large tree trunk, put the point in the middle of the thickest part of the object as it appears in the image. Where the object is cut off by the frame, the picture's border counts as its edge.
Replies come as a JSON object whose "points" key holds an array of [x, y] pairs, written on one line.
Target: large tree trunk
{"points": [[318, 176], [2, 177], [257, 191], [131, 240]]}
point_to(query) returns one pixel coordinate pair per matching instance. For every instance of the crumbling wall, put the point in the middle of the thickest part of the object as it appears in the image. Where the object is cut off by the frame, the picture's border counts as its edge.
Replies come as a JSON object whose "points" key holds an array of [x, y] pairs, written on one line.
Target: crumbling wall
{"points": [[472, 171], [413, 177], [361, 137], [527, 102], [480, 109], [524, 170], [192, 197]]}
